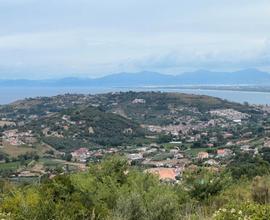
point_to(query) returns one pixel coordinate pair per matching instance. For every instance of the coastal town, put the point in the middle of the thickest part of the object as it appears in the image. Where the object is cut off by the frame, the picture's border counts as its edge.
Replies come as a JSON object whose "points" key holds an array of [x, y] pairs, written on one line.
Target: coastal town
{"points": [[191, 139]]}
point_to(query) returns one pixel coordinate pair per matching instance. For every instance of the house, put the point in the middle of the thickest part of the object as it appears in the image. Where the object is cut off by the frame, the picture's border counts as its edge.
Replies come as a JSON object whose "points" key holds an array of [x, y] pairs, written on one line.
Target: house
{"points": [[224, 152], [213, 139], [211, 162], [245, 148], [237, 121], [230, 143], [138, 101], [174, 151], [210, 145], [135, 157], [203, 155], [227, 135], [178, 156], [81, 155], [164, 174], [266, 143], [151, 151]]}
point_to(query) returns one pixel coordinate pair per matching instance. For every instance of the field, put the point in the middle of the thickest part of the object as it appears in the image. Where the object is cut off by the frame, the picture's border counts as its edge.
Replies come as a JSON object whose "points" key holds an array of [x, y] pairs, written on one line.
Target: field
{"points": [[15, 151], [56, 163], [194, 151], [10, 166]]}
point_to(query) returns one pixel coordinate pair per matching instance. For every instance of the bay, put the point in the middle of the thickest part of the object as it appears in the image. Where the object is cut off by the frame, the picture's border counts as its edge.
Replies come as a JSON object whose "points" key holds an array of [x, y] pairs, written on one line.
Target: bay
{"points": [[11, 94]]}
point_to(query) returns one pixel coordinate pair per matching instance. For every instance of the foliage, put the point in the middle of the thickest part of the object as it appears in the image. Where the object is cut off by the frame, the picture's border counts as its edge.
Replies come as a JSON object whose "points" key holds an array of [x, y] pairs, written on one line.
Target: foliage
{"points": [[113, 190], [203, 183], [246, 211], [248, 166], [109, 189], [261, 190]]}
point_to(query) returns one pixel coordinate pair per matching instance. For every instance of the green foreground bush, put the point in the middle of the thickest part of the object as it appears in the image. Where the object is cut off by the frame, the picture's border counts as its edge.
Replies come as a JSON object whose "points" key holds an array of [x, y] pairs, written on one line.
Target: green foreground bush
{"points": [[113, 190]]}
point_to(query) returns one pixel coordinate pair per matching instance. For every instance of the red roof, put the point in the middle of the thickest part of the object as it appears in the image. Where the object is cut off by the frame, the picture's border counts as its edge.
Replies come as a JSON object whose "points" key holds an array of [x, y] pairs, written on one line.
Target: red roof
{"points": [[163, 173], [81, 151], [220, 151]]}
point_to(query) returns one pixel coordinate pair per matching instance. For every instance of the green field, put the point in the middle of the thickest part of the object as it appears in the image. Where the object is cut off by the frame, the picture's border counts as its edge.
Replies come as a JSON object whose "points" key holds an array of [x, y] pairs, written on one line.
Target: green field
{"points": [[10, 166], [194, 151]]}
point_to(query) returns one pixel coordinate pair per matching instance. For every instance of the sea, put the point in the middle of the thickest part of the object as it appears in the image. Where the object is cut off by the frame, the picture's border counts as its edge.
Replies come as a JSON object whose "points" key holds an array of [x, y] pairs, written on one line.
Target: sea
{"points": [[11, 94]]}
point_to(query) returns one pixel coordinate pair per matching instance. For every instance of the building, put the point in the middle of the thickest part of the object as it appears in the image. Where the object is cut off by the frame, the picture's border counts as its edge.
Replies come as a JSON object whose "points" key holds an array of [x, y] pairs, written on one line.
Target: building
{"points": [[203, 155], [81, 155], [135, 157], [165, 174], [211, 162], [138, 101], [224, 152]]}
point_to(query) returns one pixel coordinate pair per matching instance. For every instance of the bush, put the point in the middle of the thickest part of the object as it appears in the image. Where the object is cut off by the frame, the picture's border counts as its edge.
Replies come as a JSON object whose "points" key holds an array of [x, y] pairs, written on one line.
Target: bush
{"points": [[246, 211], [260, 190]]}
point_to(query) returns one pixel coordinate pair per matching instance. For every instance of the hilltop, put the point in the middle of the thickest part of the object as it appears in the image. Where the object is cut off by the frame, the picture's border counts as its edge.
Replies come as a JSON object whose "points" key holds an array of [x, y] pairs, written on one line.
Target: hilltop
{"points": [[68, 122], [147, 78]]}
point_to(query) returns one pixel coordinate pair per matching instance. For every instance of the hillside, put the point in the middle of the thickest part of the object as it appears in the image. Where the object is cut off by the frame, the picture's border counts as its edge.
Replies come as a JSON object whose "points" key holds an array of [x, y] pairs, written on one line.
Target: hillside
{"points": [[142, 107], [164, 108], [69, 122], [147, 78], [134, 151], [85, 127]]}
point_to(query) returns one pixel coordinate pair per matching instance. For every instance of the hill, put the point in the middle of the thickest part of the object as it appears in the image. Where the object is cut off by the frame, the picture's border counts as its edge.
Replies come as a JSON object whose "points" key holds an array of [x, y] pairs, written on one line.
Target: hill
{"points": [[146, 78], [68, 122], [85, 127]]}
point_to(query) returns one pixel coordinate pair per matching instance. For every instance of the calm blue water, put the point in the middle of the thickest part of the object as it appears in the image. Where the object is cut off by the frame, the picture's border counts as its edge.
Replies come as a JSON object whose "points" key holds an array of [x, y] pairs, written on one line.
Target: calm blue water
{"points": [[8, 95]]}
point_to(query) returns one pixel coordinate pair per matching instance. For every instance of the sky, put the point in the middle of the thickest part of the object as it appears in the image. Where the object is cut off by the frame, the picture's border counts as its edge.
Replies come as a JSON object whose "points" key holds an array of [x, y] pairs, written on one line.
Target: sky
{"points": [[87, 38]]}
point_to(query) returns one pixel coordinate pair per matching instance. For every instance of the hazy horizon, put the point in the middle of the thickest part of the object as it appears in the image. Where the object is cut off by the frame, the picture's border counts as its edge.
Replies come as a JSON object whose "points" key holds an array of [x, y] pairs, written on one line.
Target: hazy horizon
{"points": [[116, 73]]}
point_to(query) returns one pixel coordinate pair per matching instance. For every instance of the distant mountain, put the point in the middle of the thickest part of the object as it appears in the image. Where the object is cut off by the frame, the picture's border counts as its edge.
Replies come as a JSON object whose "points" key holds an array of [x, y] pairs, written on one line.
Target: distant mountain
{"points": [[200, 77], [247, 76], [135, 79]]}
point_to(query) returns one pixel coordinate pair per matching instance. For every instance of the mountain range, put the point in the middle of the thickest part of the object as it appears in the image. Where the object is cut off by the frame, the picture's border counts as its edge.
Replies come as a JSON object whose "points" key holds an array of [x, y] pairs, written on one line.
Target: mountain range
{"points": [[199, 77]]}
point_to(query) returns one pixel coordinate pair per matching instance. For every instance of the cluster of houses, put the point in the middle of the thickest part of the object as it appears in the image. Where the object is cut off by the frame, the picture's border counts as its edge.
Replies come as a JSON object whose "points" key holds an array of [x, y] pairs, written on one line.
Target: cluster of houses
{"points": [[138, 101], [82, 155], [167, 168], [171, 166], [230, 114], [220, 153], [15, 138]]}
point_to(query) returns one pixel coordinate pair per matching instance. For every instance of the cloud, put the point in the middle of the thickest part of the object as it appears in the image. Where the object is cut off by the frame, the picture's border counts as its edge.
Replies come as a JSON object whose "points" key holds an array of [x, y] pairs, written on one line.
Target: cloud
{"points": [[93, 38]]}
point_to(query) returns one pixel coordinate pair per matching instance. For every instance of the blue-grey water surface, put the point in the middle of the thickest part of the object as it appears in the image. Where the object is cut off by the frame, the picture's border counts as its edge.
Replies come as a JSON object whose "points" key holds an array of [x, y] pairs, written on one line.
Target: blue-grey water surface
{"points": [[11, 94]]}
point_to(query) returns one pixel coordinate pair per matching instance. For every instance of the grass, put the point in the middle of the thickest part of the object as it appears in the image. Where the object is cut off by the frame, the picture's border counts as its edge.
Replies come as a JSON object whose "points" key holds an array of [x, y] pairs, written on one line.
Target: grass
{"points": [[257, 142], [56, 163], [194, 151], [10, 166], [51, 163], [15, 151]]}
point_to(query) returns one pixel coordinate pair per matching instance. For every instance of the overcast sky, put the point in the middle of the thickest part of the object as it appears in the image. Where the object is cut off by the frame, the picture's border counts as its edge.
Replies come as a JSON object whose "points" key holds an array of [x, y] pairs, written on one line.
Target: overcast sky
{"points": [[58, 38]]}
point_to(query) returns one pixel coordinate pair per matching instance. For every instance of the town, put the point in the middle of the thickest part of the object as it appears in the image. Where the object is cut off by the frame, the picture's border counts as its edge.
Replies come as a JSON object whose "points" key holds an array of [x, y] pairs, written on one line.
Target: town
{"points": [[183, 138]]}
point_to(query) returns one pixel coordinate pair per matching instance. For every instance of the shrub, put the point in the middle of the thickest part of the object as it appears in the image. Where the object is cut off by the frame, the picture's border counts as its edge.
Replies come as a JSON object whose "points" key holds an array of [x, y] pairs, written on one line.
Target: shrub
{"points": [[260, 190], [246, 211]]}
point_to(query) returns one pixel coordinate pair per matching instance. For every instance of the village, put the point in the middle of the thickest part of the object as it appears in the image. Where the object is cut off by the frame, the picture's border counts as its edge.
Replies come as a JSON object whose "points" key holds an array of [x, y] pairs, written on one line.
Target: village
{"points": [[190, 140]]}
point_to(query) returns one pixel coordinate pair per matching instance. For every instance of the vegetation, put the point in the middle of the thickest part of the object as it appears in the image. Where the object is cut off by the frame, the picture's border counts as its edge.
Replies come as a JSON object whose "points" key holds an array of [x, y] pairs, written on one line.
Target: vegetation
{"points": [[218, 167], [113, 190], [86, 127]]}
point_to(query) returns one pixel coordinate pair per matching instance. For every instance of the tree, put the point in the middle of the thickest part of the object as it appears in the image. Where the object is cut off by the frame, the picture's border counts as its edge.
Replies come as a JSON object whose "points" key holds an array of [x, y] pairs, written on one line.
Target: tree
{"points": [[248, 166], [204, 184], [164, 138]]}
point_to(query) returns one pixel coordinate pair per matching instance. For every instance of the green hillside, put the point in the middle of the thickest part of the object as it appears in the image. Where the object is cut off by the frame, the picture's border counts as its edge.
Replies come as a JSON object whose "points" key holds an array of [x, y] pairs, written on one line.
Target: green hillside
{"points": [[85, 127]]}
